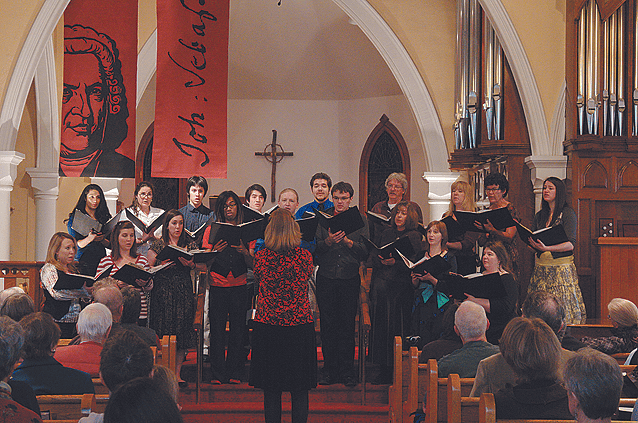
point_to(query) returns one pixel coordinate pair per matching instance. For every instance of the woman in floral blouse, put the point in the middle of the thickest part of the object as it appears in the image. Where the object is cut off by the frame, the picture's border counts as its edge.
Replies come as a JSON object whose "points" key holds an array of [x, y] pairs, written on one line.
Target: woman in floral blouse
{"points": [[284, 355]]}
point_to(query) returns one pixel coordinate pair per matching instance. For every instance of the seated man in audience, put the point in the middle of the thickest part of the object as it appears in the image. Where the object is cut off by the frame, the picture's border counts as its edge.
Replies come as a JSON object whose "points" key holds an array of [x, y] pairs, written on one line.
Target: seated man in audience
{"points": [[17, 306], [593, 381], [470, 323], [11, 340], [142, 400], [111, 297], [6, 293], [494, 373], [39, 369], [94, 325], [124, 358], [130, 313]]}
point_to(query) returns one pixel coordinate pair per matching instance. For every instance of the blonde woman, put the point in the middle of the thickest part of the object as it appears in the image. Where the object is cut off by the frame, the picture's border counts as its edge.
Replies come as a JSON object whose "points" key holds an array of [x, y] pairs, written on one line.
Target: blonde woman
{"points": [[462, 247], [62, 304]]}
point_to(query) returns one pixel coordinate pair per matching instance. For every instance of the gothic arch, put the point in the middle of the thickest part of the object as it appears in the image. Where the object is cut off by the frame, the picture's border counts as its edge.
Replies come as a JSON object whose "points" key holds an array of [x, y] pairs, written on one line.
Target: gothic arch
{"points": [[384, 132]]}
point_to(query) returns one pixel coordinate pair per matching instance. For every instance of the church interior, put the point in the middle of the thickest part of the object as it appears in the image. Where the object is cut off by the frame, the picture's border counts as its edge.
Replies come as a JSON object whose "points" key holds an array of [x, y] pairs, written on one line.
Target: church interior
{"points": [[361, 88]]}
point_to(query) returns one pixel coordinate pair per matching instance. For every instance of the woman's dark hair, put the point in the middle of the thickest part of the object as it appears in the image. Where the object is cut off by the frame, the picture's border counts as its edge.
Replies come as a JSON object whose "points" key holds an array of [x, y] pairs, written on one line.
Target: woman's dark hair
{"points": [[221, 202], [167, 218], [102, 213], [412, 220], [197, 181], [499, 180], [502, 254], [115, 239], [255, 187], [41, 335], [141, 400], [559, 203], [135, 205]]}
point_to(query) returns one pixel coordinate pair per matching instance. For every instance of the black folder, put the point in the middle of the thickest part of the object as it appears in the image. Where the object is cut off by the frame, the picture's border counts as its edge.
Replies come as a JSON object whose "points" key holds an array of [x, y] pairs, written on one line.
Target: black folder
{"points": [[488, 286], [129, 273], [553, 235], [455, 230], [308, 225], [171, 252], [501, 218], [401, 244], [141, 226], [234, 234], [435, 266], [348, 221], [76, 281]]}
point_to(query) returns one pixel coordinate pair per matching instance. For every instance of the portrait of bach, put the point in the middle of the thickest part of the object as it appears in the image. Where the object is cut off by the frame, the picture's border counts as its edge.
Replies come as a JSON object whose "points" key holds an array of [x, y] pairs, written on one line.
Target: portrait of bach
{"points": [[94, 107]]}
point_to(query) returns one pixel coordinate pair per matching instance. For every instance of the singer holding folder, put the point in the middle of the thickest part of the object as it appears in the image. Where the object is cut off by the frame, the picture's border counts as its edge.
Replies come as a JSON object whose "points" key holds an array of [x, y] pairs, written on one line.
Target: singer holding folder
{"points": [[142, 209], [554, 270], [62, 304]]}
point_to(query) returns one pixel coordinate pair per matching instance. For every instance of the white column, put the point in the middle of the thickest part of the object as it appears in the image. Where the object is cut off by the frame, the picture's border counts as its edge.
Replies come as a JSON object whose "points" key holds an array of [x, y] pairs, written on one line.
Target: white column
{"points": [[439, 192], [111, 188], [9, 161], [543, 167], [45, 185]]}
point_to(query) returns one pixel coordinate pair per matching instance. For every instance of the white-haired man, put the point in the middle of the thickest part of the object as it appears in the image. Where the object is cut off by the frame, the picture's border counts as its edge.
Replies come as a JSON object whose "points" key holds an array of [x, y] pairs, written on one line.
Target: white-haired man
{"points": [[94, 325], [470, 323]]}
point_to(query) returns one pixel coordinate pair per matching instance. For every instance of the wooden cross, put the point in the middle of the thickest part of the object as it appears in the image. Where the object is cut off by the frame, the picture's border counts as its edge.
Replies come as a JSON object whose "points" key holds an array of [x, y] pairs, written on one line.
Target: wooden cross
{"points": [[274, 153]]}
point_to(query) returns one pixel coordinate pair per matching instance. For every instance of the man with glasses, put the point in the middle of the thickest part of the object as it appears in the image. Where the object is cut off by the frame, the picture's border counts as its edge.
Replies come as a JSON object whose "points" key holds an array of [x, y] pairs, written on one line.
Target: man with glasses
{"points": [[338, 284], [396, 184]]}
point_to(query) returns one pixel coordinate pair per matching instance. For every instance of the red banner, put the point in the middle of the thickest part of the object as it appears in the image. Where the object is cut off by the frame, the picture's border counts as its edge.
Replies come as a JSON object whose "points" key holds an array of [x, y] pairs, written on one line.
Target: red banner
{"points": [[98, 100], [192, 80]]}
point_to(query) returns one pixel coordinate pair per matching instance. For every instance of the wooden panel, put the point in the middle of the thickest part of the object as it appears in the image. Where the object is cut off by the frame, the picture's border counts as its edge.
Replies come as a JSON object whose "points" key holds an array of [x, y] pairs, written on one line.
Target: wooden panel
{"points": [[595, 175], [628, 175], [618, 270]]}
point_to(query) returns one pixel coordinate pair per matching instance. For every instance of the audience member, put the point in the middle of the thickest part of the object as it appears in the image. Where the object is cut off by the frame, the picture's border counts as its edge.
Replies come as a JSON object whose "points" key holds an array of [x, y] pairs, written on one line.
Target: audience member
{"points": [[94, 325], [142, 400], [470, 323], [449, 341], [532, 350], [111, 297], [124, 358], [24, 408], [494, 373], [624, 317], [39, 369], [168, 380], [17, 306], [593, 381], [6, 293], [130, 311], [338, 284]]}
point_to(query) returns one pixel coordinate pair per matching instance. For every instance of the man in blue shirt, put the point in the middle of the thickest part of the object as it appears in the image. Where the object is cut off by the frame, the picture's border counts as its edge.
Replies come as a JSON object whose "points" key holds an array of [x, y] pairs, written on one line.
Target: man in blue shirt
{"points": [[320, 185], [195, 213]]}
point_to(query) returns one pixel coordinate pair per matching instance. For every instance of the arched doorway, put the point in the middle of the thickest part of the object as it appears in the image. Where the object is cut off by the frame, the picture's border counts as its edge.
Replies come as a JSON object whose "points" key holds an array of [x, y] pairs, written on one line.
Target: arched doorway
{"points": [[385, 152], [169, 193]]}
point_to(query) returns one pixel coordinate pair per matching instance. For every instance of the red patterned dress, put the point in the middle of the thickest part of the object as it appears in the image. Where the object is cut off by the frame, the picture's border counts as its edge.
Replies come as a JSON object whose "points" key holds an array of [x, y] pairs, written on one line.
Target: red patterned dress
{"points": [[284, 354]]}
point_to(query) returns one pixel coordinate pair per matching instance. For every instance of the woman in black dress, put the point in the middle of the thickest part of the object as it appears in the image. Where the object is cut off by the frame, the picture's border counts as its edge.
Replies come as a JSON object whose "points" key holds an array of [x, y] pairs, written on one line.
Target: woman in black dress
{"points": [[391, 289], [173, 301]]}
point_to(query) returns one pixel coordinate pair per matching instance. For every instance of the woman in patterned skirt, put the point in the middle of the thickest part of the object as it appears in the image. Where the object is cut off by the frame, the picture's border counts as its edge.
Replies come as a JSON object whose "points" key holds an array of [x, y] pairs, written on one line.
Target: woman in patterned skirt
{"points": [[555, 271]]}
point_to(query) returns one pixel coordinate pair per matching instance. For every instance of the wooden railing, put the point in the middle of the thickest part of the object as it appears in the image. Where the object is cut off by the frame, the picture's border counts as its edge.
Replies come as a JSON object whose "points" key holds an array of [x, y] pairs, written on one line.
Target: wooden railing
{"points": [[26, 275]]}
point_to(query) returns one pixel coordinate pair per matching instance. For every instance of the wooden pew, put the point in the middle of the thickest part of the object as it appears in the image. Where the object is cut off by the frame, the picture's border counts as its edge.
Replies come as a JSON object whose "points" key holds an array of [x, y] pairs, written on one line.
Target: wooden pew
{"points": [[69, 407], [397, 394], [620, 357], [487, 412], [427, 380], [169, 352], [100, 388], [460, 408]]}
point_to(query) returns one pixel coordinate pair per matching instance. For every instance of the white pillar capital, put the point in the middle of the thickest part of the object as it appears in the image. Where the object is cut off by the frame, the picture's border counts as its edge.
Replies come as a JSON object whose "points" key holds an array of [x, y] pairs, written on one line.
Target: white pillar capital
{"points": [[9, 161], [439, 191], [45, 183], [111, 188], [542, 167]]}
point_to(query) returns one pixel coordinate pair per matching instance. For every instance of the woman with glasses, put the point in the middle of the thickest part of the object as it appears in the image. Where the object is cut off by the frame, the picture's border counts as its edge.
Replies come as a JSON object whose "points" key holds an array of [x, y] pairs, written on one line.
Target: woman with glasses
{"points": [[228, 294], [142, 209], [496, 188]]}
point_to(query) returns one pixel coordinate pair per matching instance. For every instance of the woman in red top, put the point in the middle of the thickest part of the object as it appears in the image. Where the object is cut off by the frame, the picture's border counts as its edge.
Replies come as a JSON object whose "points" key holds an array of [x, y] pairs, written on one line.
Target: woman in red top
{"points": [[284, 355]]}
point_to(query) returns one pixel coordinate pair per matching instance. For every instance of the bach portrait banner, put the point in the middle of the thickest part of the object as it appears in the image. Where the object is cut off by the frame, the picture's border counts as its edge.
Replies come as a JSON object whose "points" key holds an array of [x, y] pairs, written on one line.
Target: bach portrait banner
{"points": [[192, 80], [99, 86]]}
